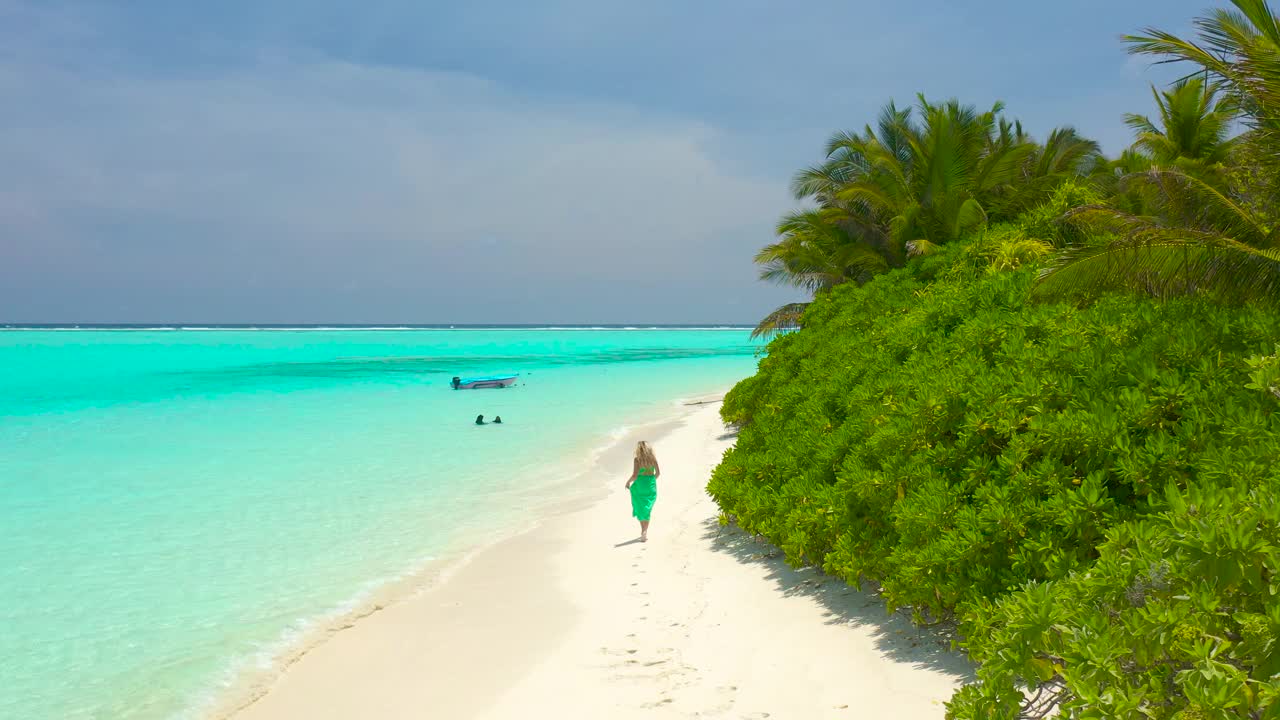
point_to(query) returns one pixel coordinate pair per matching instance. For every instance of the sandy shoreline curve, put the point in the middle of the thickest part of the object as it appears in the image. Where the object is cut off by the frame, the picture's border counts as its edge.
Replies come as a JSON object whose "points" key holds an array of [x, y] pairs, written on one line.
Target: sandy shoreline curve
{"points": [[577, 619]]}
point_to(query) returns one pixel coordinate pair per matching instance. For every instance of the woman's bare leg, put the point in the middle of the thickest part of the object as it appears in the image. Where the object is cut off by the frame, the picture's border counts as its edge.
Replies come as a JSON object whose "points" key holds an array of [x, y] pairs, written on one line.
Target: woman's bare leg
{"points": [[644, 530]]}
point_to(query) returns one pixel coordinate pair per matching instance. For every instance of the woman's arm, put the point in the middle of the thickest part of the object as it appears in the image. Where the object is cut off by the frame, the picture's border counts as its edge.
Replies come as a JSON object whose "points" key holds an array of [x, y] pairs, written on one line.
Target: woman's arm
{"points": [[635, 470], [657, 471]]}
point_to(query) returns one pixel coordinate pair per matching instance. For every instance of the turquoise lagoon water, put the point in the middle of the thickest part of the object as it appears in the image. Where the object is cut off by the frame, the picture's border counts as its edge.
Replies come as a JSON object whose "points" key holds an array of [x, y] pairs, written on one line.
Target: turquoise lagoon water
{"points": [[175, 505]]}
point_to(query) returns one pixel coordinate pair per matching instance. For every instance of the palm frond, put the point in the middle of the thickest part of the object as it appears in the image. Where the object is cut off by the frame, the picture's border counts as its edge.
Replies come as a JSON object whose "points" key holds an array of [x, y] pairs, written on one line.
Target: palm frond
{"points": [[816, 181], [783, 319], [920, 247], [970, 216], [842, 141], [1140, 124], [1168, 264], [1187, 200], [1196, 240], [1065, 151]]}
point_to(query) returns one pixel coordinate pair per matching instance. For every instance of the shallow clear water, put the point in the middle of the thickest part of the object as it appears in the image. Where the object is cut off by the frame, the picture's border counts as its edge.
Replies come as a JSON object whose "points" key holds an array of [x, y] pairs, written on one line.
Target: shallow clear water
{"points": [[175, 503]]}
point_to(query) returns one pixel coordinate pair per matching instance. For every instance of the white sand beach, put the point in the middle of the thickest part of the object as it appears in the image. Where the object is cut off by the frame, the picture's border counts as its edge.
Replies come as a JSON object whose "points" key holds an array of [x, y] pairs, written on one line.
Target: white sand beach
{"points": [[577, 619]]}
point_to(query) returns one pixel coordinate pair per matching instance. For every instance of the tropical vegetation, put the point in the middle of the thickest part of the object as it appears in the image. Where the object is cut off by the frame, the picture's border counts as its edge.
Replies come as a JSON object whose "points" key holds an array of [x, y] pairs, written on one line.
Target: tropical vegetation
{"points": [[1036, 394]]}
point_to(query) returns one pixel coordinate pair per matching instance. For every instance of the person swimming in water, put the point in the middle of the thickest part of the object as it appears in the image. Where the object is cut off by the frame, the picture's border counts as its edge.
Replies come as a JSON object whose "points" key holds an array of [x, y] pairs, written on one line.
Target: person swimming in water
{"points": [[455, 382], [497, 419], [480, 420]]}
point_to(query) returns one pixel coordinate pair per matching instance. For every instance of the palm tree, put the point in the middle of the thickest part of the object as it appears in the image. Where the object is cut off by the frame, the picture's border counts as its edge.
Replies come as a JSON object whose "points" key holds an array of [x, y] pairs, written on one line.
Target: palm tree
{"points": [[838, 242], [931, 179], [1239, 49], [906, 186], [1194, 126], [1064, 154], [1195, 227], [818, 250]]}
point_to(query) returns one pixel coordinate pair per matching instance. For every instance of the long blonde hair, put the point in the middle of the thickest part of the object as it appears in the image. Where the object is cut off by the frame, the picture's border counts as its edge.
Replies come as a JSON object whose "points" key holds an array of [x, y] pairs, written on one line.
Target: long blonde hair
{"points": [[644, 455]]}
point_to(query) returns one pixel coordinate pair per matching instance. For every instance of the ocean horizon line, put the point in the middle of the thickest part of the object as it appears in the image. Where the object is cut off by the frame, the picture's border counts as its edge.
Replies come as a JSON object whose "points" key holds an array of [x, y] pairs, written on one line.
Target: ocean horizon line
{"points": [[374, 326]]}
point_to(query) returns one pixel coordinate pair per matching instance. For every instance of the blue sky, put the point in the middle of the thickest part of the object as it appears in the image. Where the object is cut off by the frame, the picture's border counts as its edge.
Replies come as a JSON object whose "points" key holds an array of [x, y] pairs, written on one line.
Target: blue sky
{"points": [[419, 161]]}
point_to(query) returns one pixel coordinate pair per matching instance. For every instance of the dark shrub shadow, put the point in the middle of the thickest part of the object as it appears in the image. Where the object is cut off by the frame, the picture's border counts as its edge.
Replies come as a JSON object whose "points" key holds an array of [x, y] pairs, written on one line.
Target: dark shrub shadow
{"points": [[894, 633]]}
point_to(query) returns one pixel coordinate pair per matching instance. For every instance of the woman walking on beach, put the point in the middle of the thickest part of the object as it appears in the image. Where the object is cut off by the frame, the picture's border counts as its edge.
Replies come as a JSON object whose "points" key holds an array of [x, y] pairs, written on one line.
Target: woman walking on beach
{"points": [[643, 485]]}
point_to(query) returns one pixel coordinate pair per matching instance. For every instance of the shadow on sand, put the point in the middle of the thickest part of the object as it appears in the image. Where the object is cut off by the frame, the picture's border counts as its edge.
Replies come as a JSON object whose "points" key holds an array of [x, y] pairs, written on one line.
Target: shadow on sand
{"points": [[894, 634]]}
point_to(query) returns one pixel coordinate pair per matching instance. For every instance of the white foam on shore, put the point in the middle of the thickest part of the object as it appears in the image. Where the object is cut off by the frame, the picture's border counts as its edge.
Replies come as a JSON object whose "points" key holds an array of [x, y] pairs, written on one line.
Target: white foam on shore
{"points": [[294, 641]]}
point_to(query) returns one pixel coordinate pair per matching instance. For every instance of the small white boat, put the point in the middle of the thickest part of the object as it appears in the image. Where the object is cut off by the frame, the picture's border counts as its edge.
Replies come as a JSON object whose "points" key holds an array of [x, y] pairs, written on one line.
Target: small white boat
{"points": [[497, 381]]}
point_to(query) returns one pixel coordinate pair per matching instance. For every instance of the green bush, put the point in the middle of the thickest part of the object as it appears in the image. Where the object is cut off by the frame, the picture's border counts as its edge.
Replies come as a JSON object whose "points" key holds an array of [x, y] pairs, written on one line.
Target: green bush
{"points": [[1178, 618], [936, 432], [1048, 222]]}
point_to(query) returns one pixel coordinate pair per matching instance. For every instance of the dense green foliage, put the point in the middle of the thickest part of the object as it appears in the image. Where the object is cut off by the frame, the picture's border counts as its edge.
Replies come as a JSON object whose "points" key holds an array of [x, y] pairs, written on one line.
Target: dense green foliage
{"points": [[938, 433], [1177, 618], [958, 441]]}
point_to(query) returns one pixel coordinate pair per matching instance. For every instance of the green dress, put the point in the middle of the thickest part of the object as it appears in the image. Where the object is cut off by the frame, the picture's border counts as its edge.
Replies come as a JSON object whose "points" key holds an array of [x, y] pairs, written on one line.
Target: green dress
{"points": [[643, 492]]}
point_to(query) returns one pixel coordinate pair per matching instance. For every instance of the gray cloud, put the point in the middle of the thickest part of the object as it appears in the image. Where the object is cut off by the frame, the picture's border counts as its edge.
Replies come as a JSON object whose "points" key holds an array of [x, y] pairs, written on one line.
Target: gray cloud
{"points": [[328, 191]]}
